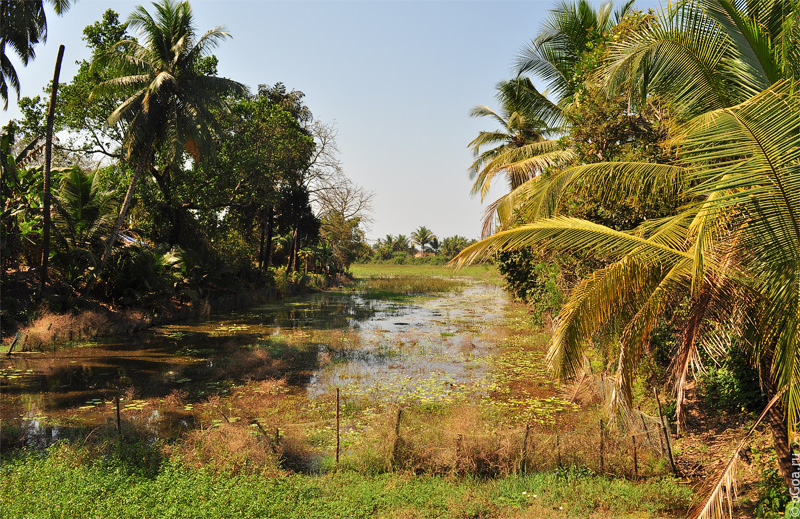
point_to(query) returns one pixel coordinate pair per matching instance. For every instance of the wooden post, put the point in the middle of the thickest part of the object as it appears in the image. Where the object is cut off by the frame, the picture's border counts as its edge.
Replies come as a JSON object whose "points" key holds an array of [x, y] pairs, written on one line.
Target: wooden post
{"points": [[459, 451], [119, 422], [602, 449], [337, 425], [523, 462], [396, 445], [17, 338], [558, 449], [666, 434], [635, 458]]}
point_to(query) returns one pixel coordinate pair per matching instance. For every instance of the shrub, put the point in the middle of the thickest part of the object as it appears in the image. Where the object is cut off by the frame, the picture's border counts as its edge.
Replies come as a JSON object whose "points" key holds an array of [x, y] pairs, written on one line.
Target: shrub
{"points": [[732, 385], [531, 278]]}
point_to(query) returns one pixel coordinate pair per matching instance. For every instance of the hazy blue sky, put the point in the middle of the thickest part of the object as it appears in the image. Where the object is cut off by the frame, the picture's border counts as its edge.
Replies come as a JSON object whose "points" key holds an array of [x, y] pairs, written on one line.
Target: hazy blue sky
{"points": [[397, 77]]}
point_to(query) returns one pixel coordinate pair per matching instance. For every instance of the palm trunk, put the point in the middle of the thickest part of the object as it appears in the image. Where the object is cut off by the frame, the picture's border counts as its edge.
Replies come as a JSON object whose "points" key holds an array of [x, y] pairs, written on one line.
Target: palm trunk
{"points": [[261, 241], [123, 212], [270, 223], [292, 266], [48, 157]]}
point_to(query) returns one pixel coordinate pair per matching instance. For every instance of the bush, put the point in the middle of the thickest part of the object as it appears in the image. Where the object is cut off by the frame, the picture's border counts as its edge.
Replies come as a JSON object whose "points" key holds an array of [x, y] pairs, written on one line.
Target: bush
{"points": [[733, 385], [533, 279], [772, 495]]}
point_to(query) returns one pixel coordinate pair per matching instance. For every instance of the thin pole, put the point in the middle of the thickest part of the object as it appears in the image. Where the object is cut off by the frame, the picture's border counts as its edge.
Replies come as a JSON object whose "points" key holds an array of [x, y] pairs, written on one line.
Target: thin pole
{"points": [[558, 448], [666, 434], [635, 458], [525, 447], [602, 450], [396, 445], [337, 425], [119, 422]]}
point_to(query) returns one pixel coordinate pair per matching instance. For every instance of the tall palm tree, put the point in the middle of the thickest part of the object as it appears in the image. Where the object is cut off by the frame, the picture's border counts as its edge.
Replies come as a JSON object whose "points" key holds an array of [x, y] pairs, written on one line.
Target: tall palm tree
{"points": [[531, 122], [169, 101], [521, 149], [422, 237], [23, 24], [571, 29]]}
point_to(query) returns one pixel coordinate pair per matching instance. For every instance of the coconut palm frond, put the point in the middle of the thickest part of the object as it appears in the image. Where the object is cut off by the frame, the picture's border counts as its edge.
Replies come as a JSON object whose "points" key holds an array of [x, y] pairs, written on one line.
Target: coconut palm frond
{"points": [[722, 488]]}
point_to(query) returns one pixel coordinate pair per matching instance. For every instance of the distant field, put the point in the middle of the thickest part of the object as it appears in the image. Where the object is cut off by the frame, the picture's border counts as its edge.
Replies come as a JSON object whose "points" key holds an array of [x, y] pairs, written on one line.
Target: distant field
{"points": [[481, 272]]}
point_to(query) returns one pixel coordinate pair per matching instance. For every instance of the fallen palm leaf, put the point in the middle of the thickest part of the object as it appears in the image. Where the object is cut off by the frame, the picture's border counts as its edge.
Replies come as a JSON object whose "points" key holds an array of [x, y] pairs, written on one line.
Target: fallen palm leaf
{"points": [[723, 487]]}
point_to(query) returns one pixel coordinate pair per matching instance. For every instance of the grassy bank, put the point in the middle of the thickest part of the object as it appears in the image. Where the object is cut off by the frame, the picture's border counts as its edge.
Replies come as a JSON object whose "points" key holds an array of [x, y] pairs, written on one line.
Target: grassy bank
{"points": [[486, 273], [61, 483]]}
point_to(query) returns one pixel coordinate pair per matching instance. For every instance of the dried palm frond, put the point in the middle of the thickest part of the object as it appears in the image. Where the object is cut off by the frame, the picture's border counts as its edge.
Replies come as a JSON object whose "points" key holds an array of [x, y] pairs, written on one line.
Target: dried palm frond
{"points": [[722, 488]]}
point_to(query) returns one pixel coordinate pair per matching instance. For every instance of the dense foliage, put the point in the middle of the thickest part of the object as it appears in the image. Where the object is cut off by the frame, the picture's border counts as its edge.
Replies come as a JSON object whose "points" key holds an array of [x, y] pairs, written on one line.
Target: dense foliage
{"points": [[680, 201], [170, 191]]}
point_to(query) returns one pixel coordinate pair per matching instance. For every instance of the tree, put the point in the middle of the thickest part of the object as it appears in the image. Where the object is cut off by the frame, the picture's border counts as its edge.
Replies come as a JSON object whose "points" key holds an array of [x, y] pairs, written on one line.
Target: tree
{"points": [[531, 122], [83, 215], [264, 149], [344, 209], [168, 108], [730, 250], [572, 29], [707, 54], [422, 237], [521, 150], [23, 24], [401, 244], [740, 175], [452, 245], [84, 115]]}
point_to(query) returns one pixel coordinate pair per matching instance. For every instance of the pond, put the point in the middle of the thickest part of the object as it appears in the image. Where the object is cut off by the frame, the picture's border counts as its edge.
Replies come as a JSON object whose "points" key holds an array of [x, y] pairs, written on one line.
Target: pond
{"points": [[423, 349]]}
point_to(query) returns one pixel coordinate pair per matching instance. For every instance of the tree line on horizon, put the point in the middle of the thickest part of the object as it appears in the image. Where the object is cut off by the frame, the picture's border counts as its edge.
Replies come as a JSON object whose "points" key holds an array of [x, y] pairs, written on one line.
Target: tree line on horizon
{"points": [[166, 180], [653, 202], [421, 243]]}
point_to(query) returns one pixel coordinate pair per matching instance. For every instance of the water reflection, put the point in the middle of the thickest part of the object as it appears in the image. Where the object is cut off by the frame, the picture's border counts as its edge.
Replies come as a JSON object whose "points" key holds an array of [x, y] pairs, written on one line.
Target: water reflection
{"points": [[381, 349]]}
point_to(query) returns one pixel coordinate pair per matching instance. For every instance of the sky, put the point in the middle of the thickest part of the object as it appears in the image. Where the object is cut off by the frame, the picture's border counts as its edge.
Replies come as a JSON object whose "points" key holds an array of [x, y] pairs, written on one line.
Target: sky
{"points": [[398, 79]]}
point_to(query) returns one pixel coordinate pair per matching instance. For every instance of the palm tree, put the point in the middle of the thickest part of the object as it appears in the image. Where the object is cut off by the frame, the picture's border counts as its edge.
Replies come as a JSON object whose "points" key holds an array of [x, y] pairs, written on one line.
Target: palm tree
{"points": [[571, 29], [732, 248], [84, 213], [521, 149], [422, 237], [452, 245], [83, 210], [23, 24], [401, 243], [169, 102], [708, 54], [526, 144]]}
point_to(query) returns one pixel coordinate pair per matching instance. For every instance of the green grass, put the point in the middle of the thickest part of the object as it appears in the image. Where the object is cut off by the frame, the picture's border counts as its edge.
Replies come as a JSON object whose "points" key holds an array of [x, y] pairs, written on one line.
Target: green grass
{"points": [[62, 483], [479, 272]]}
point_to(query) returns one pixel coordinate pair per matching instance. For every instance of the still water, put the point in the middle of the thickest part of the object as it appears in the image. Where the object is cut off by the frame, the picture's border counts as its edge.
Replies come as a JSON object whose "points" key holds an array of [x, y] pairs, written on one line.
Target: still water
{"points": [[423, 349]]}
